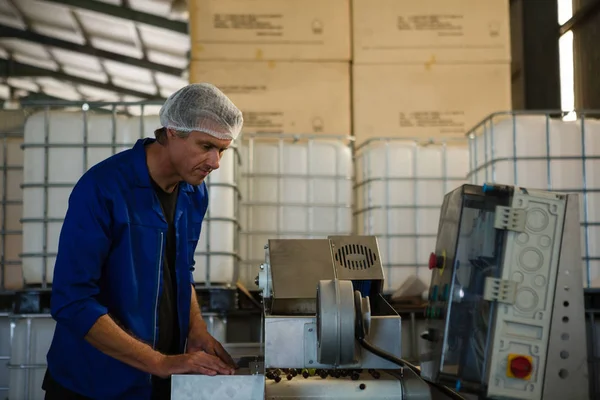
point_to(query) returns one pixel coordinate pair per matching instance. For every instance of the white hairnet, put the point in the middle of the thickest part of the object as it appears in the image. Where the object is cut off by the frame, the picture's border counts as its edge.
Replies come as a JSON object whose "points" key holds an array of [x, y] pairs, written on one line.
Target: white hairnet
{"points": [[202, 107]]}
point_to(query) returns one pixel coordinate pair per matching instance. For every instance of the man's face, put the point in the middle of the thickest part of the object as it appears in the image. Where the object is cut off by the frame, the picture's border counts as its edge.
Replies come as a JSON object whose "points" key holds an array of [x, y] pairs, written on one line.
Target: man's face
{"points": [[195, 156]]}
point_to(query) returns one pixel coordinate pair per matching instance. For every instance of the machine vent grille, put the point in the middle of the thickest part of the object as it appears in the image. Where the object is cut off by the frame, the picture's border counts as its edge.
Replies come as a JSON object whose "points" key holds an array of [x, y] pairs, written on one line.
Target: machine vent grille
{"points": [[355, 256]]}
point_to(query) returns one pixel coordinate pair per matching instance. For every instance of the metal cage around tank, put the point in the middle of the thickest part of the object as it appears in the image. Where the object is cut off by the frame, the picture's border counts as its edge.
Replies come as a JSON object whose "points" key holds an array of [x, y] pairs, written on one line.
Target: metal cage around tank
{"points": [[11, 202], [549, 150], [62, 140], [399, 190]]}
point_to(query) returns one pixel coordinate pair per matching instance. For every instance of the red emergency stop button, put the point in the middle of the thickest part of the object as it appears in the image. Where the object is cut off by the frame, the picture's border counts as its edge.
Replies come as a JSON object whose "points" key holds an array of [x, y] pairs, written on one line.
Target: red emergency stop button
{"points": [[519, 367], [436, 261], [432, 261]]}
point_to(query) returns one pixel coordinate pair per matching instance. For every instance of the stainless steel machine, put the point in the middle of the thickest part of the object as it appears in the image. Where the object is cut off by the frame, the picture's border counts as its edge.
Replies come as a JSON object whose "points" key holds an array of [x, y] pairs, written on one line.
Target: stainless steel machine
{"points": [[505, 316], [328, 331]]}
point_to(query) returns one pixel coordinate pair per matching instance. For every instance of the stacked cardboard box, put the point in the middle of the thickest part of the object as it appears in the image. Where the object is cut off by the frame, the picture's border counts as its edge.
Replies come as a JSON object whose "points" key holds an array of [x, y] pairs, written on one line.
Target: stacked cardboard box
{"points": [[428, 68], [285, 64]]}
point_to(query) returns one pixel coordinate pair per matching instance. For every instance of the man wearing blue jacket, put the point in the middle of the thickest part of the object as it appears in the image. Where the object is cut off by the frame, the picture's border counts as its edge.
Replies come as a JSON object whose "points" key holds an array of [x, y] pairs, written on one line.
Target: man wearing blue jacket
{"points": [[122, 295]]}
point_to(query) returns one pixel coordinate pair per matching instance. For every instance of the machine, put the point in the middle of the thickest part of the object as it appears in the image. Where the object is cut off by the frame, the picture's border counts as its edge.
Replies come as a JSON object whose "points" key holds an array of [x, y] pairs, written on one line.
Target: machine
{"points": [[505, 318], [506, 305], [328, 330]]}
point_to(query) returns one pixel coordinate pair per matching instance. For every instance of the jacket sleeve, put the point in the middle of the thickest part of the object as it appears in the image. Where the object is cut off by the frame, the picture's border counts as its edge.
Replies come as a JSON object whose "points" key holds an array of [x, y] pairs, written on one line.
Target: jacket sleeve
{"points": [[83, 247]]}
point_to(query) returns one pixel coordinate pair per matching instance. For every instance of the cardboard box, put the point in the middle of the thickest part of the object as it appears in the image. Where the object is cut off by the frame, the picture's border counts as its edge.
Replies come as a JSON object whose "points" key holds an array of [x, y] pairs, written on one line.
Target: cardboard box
{"points": [[426, 101], [442, 31], [309, 30], [284, 97]]}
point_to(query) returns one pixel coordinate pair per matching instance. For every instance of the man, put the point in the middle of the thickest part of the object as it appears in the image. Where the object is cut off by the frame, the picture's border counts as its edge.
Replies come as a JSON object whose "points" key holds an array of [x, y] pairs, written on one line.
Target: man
{"points": [[122, 295]]}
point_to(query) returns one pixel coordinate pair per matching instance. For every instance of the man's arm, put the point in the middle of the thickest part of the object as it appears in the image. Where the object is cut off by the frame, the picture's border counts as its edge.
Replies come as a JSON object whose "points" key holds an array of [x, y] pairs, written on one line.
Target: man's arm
{"points": [[109, 338], [82, 250], [197, 324]]}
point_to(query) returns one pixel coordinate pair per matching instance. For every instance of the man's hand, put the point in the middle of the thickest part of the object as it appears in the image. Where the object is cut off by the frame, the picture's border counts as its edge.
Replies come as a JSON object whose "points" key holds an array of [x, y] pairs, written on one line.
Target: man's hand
{"points": [[193, 363], [201, 340], [109, 338]]}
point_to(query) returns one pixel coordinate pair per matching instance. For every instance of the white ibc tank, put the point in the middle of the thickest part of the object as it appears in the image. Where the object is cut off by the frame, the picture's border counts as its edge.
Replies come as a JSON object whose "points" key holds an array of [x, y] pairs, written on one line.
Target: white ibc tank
{"points": [[11, 198], [59, 147], [218, 248], [292, 188], [537, 151], [31, 341], [400, 189]]}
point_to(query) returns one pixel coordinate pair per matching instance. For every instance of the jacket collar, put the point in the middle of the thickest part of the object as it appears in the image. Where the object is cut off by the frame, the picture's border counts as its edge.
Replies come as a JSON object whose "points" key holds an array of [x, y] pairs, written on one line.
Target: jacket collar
{"points": [[140, 167]]}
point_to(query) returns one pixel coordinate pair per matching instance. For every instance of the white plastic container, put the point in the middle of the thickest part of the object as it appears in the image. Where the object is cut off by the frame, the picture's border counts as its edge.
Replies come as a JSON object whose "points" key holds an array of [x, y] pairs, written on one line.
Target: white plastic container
{"points": [[55, 157], [32, 336], [218, 248], [292, 187], [537, 151], [11, 199], [63, 166], [400, 189]]}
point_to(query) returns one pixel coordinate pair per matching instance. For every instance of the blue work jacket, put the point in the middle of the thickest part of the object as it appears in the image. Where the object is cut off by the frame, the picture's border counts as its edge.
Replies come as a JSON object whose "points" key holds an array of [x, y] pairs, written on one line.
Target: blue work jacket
{"points": [[110, 261]]}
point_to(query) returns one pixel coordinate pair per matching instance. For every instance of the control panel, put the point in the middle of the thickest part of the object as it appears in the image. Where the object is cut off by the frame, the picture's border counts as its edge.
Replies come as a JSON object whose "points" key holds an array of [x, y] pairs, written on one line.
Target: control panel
{"points": [[499, 308]]}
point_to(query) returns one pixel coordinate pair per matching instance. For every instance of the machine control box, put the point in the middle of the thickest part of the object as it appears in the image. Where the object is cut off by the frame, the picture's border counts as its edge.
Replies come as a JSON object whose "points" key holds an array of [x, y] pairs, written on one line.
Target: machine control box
{"points": [[506, 295]]}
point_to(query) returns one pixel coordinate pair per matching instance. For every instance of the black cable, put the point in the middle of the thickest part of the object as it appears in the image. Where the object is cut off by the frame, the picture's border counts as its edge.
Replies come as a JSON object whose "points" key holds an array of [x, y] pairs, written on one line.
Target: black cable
{"points": [[405, 364], [360, 336]]}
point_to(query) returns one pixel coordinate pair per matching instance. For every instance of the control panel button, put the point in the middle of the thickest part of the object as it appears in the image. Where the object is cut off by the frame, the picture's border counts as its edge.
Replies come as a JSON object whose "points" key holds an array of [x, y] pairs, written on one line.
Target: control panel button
{"points": [[519, 366], [432, 261], [436, 261]]}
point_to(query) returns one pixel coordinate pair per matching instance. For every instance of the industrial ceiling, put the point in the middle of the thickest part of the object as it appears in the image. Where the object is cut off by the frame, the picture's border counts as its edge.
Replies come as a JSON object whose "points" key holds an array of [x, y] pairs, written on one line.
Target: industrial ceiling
{"points": [[92, 50]]}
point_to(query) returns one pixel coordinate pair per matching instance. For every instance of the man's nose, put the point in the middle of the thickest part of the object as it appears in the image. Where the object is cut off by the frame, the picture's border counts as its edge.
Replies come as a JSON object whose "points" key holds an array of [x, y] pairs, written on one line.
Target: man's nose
{"points": [[213, 160]]}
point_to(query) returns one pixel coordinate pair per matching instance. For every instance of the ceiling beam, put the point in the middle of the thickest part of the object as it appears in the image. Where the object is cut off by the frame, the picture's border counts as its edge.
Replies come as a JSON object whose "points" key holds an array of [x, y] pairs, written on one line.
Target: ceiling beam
{"points": [[10, 68], [125, 13], [139, 42], [34, 37], [27, 23]]}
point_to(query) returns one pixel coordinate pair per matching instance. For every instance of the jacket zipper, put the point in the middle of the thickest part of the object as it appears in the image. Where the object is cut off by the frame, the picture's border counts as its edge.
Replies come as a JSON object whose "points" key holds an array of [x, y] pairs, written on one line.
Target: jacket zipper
{"points": [[160, 257]]}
